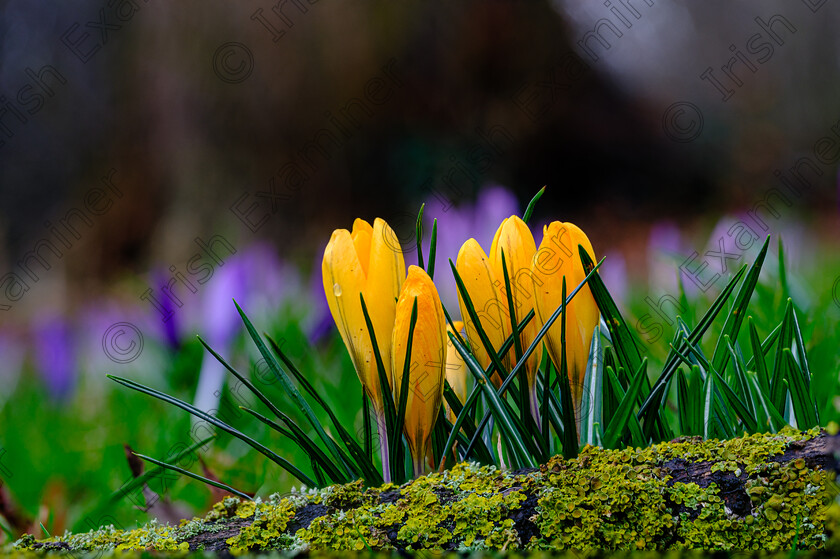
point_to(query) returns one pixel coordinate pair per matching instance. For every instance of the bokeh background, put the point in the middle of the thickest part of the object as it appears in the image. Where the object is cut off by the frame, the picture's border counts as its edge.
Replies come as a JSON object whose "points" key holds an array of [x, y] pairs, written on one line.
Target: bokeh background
{"points": [[211, 147]]}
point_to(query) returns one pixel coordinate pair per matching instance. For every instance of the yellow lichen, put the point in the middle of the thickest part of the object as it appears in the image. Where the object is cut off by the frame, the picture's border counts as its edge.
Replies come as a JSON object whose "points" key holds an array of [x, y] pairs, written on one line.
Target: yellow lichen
{"points": [[612, 499]]}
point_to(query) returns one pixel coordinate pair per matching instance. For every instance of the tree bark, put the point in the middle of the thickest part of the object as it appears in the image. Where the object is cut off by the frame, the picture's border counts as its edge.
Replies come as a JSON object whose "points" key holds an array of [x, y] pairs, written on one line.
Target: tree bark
{"points": [[819, 453]]}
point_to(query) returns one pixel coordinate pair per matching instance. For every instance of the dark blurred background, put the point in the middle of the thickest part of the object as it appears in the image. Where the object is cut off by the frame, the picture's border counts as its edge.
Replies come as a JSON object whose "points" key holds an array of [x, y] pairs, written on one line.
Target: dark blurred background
{"points": [[140, 87], [136, 135]]}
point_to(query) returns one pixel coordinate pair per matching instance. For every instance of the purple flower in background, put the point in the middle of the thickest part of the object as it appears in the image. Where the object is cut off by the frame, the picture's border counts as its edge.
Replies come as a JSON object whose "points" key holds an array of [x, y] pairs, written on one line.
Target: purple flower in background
{"points": [[109, 329], [614, 273], [479, 221], [665, 253], [320, 321], [55, 356], [259, 282], [170, 329]]}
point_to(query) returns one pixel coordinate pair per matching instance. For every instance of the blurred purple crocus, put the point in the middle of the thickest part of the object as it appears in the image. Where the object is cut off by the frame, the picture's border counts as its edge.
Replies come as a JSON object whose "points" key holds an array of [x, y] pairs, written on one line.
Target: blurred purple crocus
{"points": [[614, 274], [55, 356], [170, 329], [457, 224], [665, 252], [258, 281]]}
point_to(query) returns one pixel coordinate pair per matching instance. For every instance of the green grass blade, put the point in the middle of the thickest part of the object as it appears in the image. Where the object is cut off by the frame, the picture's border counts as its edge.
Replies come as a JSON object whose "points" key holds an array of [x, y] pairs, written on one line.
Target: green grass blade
{"points": [[803, 405], [467, 424], [292, 391], [708, 406], [736, 403], [741, 376], [801, 356], [758, 357], [488, 371], [366, 425], [740, 408], [554, 412], [783, 281], [245, 381], [482, 334], [765, 346], [696, 384], [657, 393], [615, 429], [152, 473], [271, 455], [684, 404], [766, 407], [523, 402], [777, 389], [396, 435], [361, 459], [622, 338], [419, 236], [544, 411], [390, 409], [432, 250], [732, 325], [570, 436], [461, 419], [529, 211], [309, 447], [610, 401], [188, 473], [512, 436]]}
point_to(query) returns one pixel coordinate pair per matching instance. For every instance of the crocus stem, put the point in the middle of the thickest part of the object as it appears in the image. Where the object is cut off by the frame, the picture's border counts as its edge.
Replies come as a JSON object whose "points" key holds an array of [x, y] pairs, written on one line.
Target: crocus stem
{"points": [[535, 410], [418, 463], [384, 452]]}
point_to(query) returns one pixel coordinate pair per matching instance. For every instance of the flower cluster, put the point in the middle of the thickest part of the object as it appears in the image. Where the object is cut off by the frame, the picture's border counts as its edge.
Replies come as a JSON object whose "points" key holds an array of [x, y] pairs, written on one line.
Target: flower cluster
{"points": [[396, 322]]}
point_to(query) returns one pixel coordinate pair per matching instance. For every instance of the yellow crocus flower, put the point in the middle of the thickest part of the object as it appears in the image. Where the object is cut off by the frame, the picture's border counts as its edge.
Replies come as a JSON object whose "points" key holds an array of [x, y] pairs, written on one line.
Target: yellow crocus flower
{"points": [[482, 285], [515, 239], [365, 261], [557, 257], [425, 383], [456, 370]]}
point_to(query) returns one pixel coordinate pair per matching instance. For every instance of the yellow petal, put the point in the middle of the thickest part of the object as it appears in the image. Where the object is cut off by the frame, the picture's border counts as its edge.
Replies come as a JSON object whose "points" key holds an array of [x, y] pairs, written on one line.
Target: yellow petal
{"points": [[362, 233], [483, 288], [514, 238], [428, 360], [344, 280], [386, 273], [456, 369], [557, 257], [364, 262]]}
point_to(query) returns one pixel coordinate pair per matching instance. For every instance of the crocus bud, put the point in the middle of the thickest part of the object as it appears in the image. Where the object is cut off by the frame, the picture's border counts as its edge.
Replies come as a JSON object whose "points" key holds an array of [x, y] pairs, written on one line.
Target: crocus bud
{"points": [[558, 256], [428, 360], [365, 261], [482, 285], [516, 241]]}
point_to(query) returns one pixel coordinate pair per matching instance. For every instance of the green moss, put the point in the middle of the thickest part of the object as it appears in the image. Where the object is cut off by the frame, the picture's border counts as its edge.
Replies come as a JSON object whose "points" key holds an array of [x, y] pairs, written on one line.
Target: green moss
{"points": [[463, 507], [608, 499], [267, 531], [603, 499]]}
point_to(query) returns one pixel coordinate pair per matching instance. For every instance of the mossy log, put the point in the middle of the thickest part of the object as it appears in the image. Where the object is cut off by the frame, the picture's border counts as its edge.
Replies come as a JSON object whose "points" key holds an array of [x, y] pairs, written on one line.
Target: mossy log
{"points": [[757, 492]]}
